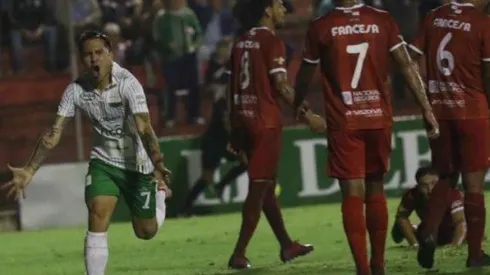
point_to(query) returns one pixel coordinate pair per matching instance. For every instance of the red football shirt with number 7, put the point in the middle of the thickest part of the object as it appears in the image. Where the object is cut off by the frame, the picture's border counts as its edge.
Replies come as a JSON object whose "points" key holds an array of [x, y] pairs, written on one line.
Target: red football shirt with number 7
{"points": [[255, 57], [352, 46], [455, 40]]}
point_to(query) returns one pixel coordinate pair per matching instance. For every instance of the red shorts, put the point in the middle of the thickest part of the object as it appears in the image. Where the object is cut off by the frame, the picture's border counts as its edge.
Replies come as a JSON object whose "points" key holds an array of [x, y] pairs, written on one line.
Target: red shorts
{"points": [[355, 154], [463, 146], [263, 147]]}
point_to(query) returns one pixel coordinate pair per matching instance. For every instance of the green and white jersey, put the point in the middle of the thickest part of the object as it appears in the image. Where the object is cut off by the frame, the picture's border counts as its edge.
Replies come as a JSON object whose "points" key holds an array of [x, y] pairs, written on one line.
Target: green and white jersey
{"points": [[116, 140]]}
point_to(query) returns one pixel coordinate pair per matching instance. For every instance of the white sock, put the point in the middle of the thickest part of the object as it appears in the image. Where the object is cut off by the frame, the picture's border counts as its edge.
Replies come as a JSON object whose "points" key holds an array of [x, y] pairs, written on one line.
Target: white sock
{"points": [[161, 208], [96, 253]]}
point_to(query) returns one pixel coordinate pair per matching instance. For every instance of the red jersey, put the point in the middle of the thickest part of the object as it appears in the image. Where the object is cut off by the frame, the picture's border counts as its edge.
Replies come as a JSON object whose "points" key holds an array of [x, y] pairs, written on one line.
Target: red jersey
{"points": [[353, 48], [455, 39], [255, 56], [414, 200]]}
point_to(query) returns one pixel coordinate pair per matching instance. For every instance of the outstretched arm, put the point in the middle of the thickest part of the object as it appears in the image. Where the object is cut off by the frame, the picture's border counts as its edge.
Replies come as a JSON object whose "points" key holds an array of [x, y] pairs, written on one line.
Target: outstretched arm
{"points": [[21, 177], [47, 142]]}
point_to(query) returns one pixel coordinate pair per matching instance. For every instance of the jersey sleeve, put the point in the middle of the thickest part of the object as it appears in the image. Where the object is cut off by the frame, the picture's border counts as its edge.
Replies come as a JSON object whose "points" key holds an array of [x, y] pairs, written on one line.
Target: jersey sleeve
{"points": [[66, 107], [407, 205], [456, 201], [395, 39], [485, 50], [276, 57], [419, 42], [311, 53], [135, 97]]}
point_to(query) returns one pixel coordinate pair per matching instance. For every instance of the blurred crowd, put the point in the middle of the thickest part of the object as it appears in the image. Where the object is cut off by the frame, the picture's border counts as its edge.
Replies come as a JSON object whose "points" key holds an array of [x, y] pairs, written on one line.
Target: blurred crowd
{"points": [[181, 37]]}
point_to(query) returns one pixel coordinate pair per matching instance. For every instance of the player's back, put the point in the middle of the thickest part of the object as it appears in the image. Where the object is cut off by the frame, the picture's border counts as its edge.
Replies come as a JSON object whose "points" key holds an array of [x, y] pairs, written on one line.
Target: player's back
{"points": [[455, 39], [353, 48], [255, 102]]}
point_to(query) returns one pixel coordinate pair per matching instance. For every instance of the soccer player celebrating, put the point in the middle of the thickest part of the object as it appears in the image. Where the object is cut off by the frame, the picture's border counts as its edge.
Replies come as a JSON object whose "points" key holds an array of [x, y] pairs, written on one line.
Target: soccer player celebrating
{"points": [[258, 79], [452, 230], [455, 41], [125, 149], [354, 45]]}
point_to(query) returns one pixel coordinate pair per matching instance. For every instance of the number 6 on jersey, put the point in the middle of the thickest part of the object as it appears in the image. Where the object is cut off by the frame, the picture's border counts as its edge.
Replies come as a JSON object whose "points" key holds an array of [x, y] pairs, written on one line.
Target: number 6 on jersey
{"points": [[361, 50]]}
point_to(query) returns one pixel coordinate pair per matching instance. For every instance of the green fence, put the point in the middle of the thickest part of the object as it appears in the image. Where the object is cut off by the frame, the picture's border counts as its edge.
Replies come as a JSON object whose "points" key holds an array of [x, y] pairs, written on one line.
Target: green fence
{"points": [[302, 176]]}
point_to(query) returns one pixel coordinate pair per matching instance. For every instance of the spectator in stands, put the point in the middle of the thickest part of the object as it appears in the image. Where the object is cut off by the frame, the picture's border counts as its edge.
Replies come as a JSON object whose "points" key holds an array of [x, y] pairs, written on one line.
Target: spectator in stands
{"points": [[177, 36], [86, 14], [125, 13], [220, 25], [32, 21]]}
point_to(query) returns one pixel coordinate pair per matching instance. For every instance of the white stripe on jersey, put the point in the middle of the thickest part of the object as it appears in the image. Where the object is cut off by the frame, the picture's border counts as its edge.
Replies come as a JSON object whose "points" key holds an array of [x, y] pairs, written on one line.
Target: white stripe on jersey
{"points": [[116, 140]]}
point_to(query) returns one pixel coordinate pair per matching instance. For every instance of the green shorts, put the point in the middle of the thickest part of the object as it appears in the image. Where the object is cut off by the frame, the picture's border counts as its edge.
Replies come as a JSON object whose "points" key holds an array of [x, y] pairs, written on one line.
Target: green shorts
{"points": [[137, 189]]}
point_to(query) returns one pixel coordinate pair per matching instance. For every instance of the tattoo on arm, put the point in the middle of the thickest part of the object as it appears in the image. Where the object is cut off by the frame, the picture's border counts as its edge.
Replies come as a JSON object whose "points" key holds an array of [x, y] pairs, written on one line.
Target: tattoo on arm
{"points": [[48, 141], [149, 140], [303, 79], [411, 74], [282, 86]]}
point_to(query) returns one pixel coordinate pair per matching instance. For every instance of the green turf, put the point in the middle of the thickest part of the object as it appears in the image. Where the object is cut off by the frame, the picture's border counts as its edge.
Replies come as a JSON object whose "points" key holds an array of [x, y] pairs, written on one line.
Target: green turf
{"points": [[203, 245]]}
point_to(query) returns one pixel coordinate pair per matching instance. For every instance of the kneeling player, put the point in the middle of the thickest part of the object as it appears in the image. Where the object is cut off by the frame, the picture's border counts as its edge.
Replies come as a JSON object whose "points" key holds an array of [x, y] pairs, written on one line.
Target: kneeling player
{"points": [[452, 230]]}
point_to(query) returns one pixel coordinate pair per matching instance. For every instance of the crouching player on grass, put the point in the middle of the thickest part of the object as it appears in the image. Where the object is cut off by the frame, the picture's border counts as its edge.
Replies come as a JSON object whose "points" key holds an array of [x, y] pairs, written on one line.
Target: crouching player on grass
{"points": [[125, 159], [452, 230]]}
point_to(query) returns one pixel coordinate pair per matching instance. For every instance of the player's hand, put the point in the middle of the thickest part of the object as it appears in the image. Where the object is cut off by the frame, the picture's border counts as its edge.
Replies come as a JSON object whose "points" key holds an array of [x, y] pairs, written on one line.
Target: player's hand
{"points": [[242, 157], [433, 129], [301, 110], [162, 181], [21, 177], [316, 123], [163, 174]]}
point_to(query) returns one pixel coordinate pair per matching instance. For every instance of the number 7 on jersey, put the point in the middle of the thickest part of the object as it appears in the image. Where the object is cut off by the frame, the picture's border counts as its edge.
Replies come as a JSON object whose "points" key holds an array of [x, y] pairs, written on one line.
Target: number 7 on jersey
{"points": [[361, 51]]}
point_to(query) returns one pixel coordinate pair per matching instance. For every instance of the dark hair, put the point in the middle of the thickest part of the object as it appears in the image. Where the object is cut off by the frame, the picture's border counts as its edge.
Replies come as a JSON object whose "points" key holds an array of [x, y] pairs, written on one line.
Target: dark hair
{"points": [[249, 12], [93, 34], [423, 171]]}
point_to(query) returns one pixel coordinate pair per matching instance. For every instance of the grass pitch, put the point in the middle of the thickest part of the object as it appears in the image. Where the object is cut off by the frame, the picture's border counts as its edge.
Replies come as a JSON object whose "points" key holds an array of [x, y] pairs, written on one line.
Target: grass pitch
{"points": [[203, 245]]}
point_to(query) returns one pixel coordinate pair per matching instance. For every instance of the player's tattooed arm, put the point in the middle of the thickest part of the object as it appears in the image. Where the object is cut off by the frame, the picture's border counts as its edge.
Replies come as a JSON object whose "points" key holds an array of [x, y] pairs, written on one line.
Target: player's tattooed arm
{"points": [[411, 72], [303, 79], [459, 227], [403, 222], [47, 142], [150, 141], [486, 80], [316, 123]]}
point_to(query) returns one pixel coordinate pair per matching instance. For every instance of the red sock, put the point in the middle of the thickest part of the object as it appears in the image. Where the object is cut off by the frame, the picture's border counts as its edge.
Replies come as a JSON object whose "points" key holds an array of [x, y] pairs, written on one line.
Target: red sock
{"points": [[377, 226], [474, 210], [273, 214], [355, 229], [436, 207], [250, 215]]}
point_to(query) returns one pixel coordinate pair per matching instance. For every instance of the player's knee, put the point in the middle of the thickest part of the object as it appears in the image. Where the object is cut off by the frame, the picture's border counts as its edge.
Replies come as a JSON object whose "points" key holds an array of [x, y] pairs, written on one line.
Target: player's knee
{"points": [[145, 231]]}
